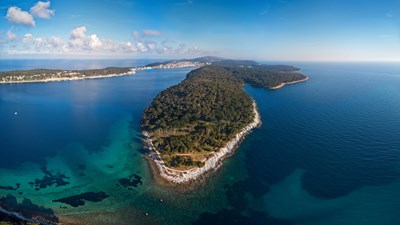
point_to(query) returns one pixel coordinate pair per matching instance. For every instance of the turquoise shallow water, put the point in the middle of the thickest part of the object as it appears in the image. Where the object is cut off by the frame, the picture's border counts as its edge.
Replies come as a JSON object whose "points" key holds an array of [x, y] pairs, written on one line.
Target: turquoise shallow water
{"points": [[328, 151]]}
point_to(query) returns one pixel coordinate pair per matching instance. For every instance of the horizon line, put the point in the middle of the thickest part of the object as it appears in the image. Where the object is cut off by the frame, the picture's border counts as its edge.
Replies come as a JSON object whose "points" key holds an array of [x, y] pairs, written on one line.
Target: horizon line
{"points": [[234, 58]]}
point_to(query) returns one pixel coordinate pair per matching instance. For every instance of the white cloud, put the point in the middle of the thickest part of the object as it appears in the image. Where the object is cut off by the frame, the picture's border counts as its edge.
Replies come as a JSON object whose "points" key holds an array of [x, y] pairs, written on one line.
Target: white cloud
{"points": [[17, 16], [128, 47], [180, 49], [55, 42], [151, 45], [30, 41], [51, 44], [79, 41], [109, 45], [41, 10], [192, 50], [151, 33], [28, 38], [11, 36], [78, 32], [135, 35], [141, 47], [76, 43], [94, 42], [139, 44]]}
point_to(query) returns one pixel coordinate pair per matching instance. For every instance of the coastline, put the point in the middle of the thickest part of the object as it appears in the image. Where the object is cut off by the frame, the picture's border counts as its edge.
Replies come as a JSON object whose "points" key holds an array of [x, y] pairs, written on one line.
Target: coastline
{"points": [[19, 217], [211, 164], [292, 82], [132, 72]]}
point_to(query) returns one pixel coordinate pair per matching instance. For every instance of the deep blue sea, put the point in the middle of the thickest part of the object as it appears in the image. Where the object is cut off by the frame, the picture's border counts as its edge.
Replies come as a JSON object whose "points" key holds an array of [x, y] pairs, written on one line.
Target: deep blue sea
{"points": [[327, 153]]}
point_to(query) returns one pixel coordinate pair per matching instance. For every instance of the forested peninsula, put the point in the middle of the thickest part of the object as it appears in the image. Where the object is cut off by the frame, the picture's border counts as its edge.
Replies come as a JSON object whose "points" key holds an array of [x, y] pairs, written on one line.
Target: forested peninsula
{"points": [[192, 126]]}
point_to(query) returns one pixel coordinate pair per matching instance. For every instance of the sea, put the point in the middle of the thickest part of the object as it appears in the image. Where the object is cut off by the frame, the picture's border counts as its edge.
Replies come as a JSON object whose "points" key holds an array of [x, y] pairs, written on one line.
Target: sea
{"points": [[327, 153]]}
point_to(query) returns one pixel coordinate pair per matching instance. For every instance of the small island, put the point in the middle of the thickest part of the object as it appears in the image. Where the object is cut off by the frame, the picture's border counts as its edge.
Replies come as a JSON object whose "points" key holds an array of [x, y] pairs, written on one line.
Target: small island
{"points": [[191, 127]]}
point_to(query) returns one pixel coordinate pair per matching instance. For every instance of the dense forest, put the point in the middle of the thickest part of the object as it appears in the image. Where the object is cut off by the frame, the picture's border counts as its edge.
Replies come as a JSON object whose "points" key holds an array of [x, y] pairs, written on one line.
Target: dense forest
{"points": [[264, 77], [43, 74], [260, 75], [200, 115]]}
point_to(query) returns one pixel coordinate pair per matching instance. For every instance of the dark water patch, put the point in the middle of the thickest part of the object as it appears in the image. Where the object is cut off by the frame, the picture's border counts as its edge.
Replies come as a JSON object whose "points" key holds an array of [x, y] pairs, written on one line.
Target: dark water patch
{"points": [[233, 217], [262, 165], [11, 188], [49, 179], [131, 182], [79, 200], [236, 193], [95, 145], [28, 210], [240, 213], [81, 166], [329, 184], [110, 166]]}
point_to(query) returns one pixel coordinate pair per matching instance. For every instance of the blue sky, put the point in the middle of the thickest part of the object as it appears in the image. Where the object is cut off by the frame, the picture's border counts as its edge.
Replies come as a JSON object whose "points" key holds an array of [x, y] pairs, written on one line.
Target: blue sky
{"points": [[304, 30]]}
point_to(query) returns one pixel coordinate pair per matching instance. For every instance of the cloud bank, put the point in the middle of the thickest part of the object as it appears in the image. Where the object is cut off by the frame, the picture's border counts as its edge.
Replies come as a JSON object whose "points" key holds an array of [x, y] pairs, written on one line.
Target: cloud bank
{"points": [[80, 41]]}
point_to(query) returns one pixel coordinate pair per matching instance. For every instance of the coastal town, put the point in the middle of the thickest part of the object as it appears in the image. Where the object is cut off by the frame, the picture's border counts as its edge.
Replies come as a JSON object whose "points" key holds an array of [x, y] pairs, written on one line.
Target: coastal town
{"points": [[173, 65]]}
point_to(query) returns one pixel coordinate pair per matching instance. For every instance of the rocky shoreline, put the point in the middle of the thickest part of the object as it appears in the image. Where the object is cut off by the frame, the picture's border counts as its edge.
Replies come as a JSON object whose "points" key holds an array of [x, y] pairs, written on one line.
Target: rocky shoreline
{"points": [[293, 82], [11, 217], [211, 164]]}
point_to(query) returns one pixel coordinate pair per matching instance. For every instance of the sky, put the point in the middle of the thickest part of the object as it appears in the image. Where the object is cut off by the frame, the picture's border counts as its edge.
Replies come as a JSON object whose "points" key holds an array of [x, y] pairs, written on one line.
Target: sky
{"points": [[295, 30]]}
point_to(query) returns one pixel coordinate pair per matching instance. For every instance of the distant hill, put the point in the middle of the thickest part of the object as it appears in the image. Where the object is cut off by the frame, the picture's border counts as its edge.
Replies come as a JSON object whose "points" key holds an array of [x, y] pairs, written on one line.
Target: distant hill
{"points": [[223, 62], [209, 59], [205, 60]]}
